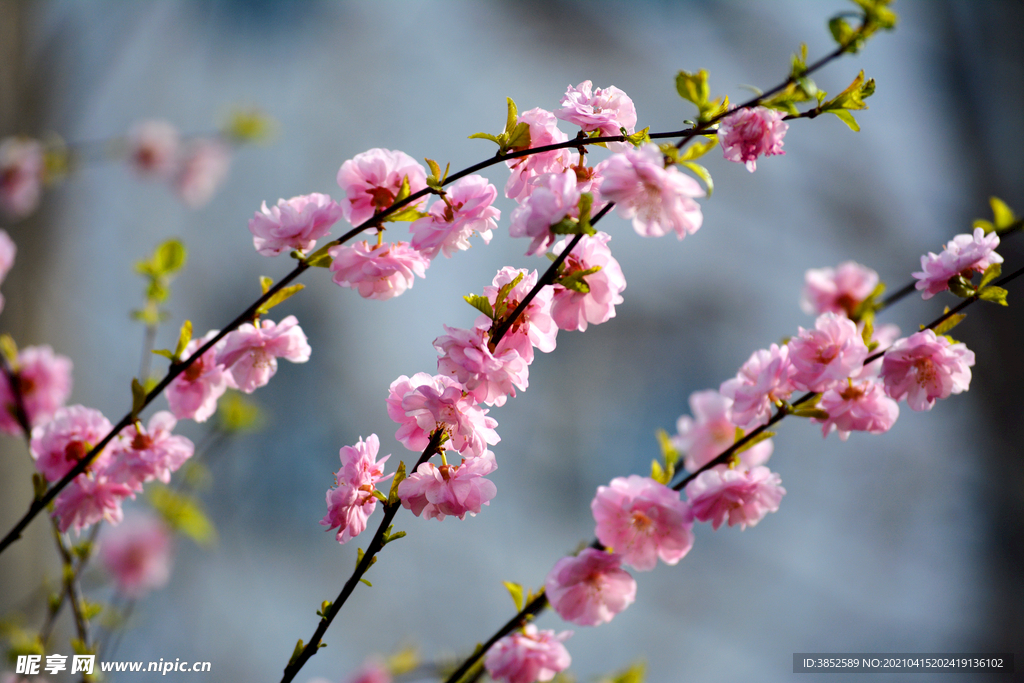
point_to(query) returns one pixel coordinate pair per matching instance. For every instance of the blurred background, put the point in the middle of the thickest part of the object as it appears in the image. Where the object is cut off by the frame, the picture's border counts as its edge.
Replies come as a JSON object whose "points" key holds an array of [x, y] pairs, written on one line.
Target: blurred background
{"points": [[908, 542]]}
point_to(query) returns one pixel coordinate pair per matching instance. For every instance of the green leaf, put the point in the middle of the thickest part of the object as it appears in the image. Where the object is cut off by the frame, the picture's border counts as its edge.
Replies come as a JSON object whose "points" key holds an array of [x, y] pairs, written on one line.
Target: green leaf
{"points": [[996, 295], [575, 281], [485, 136], [138, 398], [847, 118], [10, 350], [395, 536], [512, 116], [500, 300], [320, 260], [325, 607], [399, 477], [367, 583], [961, 287], [798, 63], [90, 609], [638, 138], [406, 215], [841, 31], [669, 453], [184, 337], [170, 257], [182, 512], [516, 591], [853, 96], [249, 125], [379, 496], [278, 297], [658, 473], [702, 173], [949, 323], [480, 303], [694, 151], [636, 673], [586, 201], [693, 87], [869, 330], [299, 647], [809, 411], [1002, 213], [754, 441], [990, 274], [519, 138], [237, 414]]}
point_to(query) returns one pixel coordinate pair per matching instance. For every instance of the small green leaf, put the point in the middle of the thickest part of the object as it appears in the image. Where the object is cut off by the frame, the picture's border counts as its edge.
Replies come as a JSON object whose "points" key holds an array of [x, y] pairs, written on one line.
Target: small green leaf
{"points": [[249, 125], [278, 297], [184, 337], [485, 136], [138, 397], [182, 513], [500, 300], [695, 150], [809, 411], [990, 274], [519, 138], [166, 353], [586, 201], [516, 591], [320, 260], [238, 414], [636, 673], [512, 116], [395, 536], [693, 87], [325, 607], [575, 281], [638, 138], [435, 170], [961, 287], [9, 349], [669, 453], [658, 473], [996, 295], [847, 118], [90, 609], [393, 498], [265, 284], [170, 257], [406, 215], [841, 31], [379, 496], [949, 323], [299, 647], [367, 582], [480, 303], [702, 173], [1001, 212], [754, 441]]}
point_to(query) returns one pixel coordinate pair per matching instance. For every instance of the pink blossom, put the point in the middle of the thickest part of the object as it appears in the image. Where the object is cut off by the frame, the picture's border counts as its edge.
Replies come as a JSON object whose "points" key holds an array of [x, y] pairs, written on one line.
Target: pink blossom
{"points": [[763, 380], [839, 290], [710, 432], [657, 199], [534, 328], [744, 496], [422, 404], [373, 179], [45, 382], [605, 109], [597, 294], [138, 555], [193, 394], [58, 445], [749, 133], [858, 407], [21, 176], [152, 452], [642, 520], [455, 490], [295, 223], [554, 196], [528, 655], [449, 225], [963, 255], [153, 148], [924, 367], [351, 501], [250, 353], [489, 376], [378, 272], [8, 250], [829, 353], [543, 131], [88, 499], [591, 588], [372, 671], [203, 170]]}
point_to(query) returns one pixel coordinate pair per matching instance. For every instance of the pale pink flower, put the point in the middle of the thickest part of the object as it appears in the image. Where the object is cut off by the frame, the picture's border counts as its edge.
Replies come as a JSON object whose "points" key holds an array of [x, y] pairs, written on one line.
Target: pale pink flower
{"points": [[351, 501], [449, 490], [448, 225], [534, 328], [830, 353], [203, 170], [924, 367], [591, 588], [21, 176], [963, 255], [250, 353], [295, 223], [8, 250], [642, 520], [601, 109], [45, 382], [138, 555], [574, 310], [528, 655], [373, 670], [839, 290], [489, 376], [710, 432], [377, 272], [857, 407], [58, 445], [743, 496], [659, 200], [152, 452], [153, 148], [763, 380], [424, 403], [193, 394], [749, 133], [554, 196], [373, 179], [88, 499], [543, 131]]}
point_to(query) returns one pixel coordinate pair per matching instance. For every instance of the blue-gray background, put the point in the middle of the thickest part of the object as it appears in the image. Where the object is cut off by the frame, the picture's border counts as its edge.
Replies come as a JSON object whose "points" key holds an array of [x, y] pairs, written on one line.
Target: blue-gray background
{"points": [[906, 542]]}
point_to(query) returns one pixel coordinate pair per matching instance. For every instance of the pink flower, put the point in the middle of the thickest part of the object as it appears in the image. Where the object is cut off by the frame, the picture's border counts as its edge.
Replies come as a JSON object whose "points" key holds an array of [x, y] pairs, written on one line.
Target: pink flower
{"points": [[250, 353], [193, 394], [591, 588], [202, 171], [21, 176], [596, 295], [924, 367], [543, 131], [45, 382], [658, 199], [963, 255], [554, 196], [534, 327], [455, 490], [379, 272], [489, 376], [604, 109], [528, 656], [838, 290], [351, 502], [744, 496], [449, 225], [153, 148], [8, 250], [372, 671], [829, 353], [857, 407], [138, 555], [372, 180], [88, 499], [295, 223], [422, 403], [710, 432], [763, 380], [749, 133], [143, 454], [58, 445], [642, 520]]}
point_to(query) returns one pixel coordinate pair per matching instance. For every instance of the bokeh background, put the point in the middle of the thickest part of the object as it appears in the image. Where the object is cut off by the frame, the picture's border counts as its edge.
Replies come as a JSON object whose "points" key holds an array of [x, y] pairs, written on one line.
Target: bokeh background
{"points": [[908, 542]]}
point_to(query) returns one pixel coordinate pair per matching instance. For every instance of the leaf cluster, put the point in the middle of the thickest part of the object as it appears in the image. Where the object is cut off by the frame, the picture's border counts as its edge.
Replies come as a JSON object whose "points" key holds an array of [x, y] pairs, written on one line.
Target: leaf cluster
{"points": [[516, 136], [694, 88], [158, 270]]}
